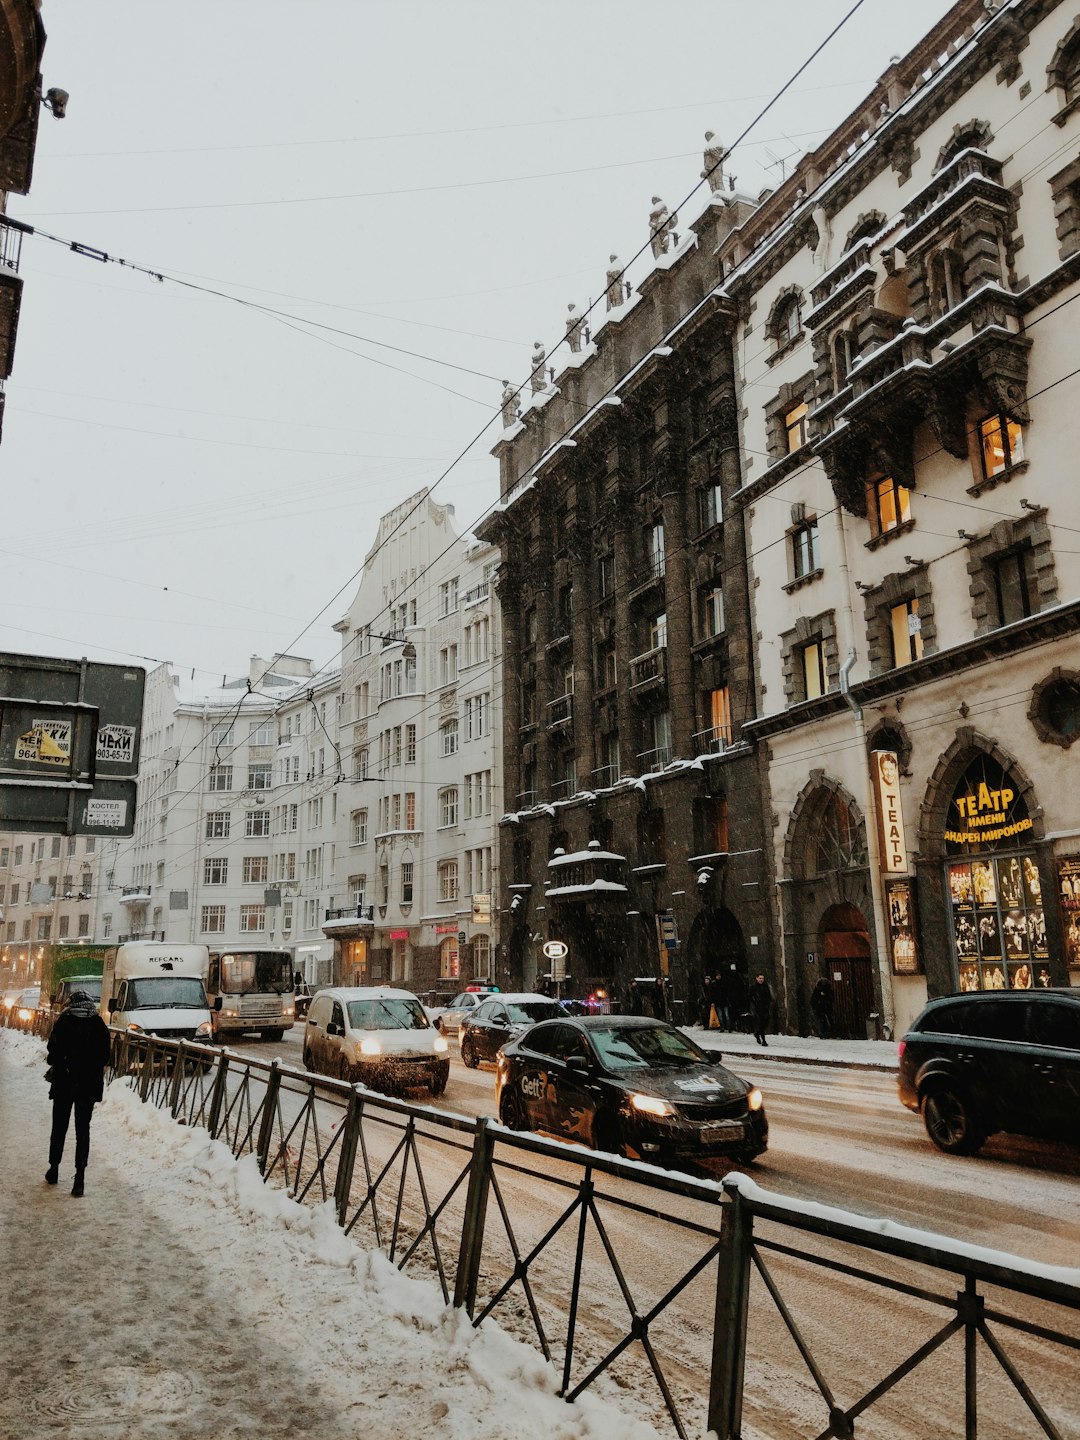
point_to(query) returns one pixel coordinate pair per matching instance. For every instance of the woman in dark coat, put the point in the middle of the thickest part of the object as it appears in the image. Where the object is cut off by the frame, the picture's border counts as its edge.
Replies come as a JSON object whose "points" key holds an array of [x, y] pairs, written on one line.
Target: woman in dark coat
{"points": [[78, 1053]]}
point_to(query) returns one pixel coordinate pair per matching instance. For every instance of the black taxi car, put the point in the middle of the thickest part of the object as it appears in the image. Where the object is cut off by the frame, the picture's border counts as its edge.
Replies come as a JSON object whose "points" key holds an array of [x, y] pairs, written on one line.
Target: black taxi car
{"points": [[633, 1086], [994, 1060]]}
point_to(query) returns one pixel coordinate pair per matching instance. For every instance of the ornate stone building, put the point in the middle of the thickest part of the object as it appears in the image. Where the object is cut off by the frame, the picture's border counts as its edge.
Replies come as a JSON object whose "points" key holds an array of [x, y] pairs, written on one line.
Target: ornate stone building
{"points": [[905, 307], [791, 583], [634, 829]]}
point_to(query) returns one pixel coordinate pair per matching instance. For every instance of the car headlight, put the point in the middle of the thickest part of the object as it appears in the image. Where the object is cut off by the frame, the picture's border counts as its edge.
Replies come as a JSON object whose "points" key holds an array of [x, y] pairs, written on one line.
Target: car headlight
{"points": [[754, 1099], [25, 1014], [440, 1046], [204, 1029], [232, 1014], [288, 1012], [651, 1105], [370, 1046], [138, 1029]]}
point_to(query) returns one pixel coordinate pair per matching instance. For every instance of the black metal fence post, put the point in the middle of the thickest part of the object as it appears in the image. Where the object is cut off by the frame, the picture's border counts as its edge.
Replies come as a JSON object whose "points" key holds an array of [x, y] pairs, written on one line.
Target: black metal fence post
{"points": [[729, 1321], [350, 1138], [177, 1080], [266, 1128], [472, 1229], [217, 1097], [144, 1077]]}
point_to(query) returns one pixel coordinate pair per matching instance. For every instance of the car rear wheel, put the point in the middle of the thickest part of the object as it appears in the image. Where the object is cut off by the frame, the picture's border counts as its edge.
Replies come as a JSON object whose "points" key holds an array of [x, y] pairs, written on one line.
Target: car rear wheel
{"points": [[273, 1035], [307, 1059], [438, 1084], [950, 1121], [512, 1111], [469, 1056]]}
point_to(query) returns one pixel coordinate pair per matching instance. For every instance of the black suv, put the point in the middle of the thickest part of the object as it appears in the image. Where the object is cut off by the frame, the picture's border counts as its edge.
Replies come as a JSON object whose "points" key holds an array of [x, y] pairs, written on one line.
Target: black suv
{"points": [[996, 1060]]}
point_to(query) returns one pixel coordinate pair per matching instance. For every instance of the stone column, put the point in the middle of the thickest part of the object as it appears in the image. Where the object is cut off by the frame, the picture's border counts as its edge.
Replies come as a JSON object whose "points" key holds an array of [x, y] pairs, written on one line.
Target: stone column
{"points": [[680, 622], [581, 555]]}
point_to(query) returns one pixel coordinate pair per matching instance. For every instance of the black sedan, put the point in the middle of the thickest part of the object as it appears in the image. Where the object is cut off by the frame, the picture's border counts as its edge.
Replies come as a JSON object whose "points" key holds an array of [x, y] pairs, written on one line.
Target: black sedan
{"points": [[499, 1019], [632, 1086]]}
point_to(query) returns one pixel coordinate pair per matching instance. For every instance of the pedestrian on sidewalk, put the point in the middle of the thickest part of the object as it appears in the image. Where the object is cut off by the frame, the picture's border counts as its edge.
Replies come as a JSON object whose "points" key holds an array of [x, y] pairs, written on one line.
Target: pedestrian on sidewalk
{"points": [[760, 1007], [78, 1052], [821, 1003]]}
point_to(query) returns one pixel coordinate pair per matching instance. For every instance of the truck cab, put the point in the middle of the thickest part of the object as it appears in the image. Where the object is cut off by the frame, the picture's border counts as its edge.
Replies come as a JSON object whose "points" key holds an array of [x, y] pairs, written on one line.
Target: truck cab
{"points": [[157, 988]]}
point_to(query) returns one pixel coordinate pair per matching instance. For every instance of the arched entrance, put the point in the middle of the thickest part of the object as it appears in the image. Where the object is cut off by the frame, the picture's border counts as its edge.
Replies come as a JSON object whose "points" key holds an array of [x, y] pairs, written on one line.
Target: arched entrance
{"points": [[844, 946], [717, 948]]}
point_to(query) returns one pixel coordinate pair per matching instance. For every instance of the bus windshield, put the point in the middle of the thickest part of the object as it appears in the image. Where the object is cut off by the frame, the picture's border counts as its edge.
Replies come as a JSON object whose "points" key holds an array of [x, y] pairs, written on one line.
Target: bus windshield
{"points": [[165, 992], [261, 972]]}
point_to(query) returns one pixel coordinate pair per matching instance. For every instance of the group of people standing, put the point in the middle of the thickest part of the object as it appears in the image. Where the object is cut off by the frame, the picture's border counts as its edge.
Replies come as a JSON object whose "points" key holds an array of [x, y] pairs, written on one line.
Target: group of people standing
{"points": [[727, 1001]]}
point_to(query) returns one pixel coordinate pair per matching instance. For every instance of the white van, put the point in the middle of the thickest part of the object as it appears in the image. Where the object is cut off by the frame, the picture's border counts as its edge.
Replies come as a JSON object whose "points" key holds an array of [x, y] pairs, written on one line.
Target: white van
{"points": [[380, 1036], [159, 988]]}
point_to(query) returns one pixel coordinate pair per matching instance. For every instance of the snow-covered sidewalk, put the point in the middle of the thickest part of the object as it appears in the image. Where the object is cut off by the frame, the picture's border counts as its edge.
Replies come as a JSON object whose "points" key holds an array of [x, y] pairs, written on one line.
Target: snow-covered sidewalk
{"points": [[858, 1054], [181, 1297]]}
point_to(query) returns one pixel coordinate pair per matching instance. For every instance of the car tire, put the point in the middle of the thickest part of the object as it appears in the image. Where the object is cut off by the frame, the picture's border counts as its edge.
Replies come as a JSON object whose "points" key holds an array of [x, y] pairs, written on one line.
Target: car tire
{"points": [[512, 1112], [274, 1035], [307, 1060], [469, 1056], [438, 1085], [951, 1120]]}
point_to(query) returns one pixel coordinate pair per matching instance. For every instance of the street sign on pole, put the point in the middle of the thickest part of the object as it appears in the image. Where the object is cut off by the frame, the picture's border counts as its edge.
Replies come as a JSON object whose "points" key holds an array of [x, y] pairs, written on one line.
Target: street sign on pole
{"points": [[69, 745], [557, 951]]}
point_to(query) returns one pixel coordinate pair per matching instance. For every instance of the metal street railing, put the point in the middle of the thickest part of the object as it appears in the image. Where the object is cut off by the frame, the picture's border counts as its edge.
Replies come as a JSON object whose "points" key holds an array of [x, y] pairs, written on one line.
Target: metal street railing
{"points": [[601, 1261]]}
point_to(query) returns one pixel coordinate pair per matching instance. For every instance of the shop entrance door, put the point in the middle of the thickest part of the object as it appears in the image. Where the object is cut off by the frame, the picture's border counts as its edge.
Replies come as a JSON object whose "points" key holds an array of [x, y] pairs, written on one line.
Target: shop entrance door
{"points": [[846, 963]]}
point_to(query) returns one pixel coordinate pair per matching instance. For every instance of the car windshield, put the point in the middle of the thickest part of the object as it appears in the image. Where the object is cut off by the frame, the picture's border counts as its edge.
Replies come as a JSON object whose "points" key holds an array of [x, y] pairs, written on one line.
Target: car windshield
{"points": [[645, 1047], [528, 1012], [387, 1015], [166, 992]]}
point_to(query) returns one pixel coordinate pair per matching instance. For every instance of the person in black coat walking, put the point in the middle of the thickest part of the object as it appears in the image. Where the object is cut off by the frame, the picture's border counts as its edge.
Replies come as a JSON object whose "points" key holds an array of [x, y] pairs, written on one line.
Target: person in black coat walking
{"points": [[78, 1053], [760, 1007]]}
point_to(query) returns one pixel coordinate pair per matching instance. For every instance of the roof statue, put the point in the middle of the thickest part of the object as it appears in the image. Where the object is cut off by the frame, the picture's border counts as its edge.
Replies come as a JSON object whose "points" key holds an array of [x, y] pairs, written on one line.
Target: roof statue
{"points": [[714, 157], [661, 227], [510, 408], [575, 324], [614, 291], [537, 379]]}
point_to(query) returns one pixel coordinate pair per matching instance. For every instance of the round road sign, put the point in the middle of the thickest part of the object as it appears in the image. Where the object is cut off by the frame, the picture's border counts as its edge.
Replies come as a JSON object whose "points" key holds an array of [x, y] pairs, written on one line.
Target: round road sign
{"points": [[555, 949]]}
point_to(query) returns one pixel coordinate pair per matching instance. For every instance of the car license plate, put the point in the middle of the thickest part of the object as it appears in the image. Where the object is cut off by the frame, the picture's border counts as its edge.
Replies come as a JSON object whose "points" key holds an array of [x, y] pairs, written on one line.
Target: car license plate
{"points": [[713, 1132]]}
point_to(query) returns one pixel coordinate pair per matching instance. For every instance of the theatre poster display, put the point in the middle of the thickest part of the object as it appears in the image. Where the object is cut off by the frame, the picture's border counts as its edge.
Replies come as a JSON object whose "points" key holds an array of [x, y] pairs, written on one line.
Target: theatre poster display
{"points": [[998, 924], [899, 916], [1068, 872]]}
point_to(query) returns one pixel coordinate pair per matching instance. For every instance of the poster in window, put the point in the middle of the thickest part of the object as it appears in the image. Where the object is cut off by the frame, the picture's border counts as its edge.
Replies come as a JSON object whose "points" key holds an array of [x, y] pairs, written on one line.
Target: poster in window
{"points": [[900, 916], [1032, 883], [989, 937], [960, 887], [1036, 926], [1016, 935], [969, 978], [982, 882], [966, 946], [1010, 883], [1068, 872]]}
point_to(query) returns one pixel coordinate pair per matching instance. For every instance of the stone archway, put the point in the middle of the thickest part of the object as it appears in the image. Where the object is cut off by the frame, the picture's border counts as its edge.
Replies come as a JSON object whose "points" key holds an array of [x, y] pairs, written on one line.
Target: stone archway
{"points": [[717, 947], [847, 963]]}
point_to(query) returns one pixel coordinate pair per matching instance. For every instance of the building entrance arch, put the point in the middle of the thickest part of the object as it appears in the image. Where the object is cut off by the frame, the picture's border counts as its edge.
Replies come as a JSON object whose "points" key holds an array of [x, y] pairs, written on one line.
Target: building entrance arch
{"points": [[717, 949], [847, 963]]}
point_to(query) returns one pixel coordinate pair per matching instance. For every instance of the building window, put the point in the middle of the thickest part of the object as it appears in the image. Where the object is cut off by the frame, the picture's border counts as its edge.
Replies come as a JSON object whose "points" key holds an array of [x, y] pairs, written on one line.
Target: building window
{"points": [[252, 917], [406, 882], [796, 426], [448, 597], [845, 351], [448, 733], [710, 506], [358, 890], [606, 667], [658, 632], [257, 823], [220, 777], [905, 627], [212, 921], [448, 880], [217, 824], [221, 733], [805, 550], [448, 808], [64, 927], [360, 763], [946, 281], [786, 323], [888, 505], [812, 665], [410, 810], [448, 665], [449, 959], [260, 777], [216, 871], [606, 576], [611, 769], [262, 732], [256, 869], [712, 612], [410, 744], [655, 553], [1001, 445], [717, 735], [359, 827], [1014, 583]]}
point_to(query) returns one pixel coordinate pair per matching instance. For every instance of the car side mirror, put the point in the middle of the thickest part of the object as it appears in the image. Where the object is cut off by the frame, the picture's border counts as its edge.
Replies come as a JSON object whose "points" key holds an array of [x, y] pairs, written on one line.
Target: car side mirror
{"points": [[333, 1028], [217, 1002], [714, 1055], [579, 1064], [112, 1007]]}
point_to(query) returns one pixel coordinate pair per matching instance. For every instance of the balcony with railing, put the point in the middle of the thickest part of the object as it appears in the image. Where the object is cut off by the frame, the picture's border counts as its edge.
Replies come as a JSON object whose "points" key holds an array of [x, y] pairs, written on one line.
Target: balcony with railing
{"points": [[10, 292], [560, 711], [351, 920], [135, 895], [476, 594], [655, 759], [713, 741], [649, 670]]}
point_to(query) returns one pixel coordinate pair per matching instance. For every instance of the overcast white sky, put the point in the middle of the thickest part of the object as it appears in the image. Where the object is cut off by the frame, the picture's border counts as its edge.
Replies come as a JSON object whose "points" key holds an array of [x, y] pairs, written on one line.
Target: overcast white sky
{"points": [[186, 478]]}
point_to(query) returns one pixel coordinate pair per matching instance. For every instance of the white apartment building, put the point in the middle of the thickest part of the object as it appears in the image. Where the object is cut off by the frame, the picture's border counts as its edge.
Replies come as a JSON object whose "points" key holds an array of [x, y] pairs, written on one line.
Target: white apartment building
{"points": [[234, 834], [419, 720], [50, 890]]}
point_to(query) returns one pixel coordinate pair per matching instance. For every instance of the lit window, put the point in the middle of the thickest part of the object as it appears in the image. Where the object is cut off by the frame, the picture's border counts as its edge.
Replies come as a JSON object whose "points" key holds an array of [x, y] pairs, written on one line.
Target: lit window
{"points": [[813, 670], [889, 505], [1001, 444], [795, 423], [906, 629]]}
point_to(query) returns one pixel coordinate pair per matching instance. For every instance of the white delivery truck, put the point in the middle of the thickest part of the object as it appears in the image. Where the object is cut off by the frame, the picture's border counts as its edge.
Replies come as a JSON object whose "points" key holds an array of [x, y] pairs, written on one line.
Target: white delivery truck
{"points": [[159, 988]]}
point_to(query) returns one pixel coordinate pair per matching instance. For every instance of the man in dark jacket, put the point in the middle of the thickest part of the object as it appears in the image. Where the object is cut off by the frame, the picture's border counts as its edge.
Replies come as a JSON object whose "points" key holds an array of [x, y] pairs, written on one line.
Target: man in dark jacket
{"points": [[760, 1007], [78, 1053]]}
